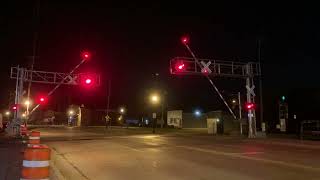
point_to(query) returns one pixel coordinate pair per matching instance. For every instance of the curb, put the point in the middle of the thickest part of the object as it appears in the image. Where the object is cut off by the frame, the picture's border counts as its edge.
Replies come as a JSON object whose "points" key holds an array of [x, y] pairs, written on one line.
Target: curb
{"points": [[55, 174], [63, 169], [298, 144]]}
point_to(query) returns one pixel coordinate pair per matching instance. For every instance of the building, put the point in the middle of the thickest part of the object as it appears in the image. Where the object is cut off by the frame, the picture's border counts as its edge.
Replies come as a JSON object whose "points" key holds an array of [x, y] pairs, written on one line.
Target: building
{"points": [[226, 124]]}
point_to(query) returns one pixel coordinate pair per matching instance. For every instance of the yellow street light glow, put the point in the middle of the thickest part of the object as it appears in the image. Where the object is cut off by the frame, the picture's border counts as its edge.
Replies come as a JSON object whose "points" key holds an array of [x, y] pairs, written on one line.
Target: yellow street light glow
{"points": [[24, 115], [7, 113], [154, 99], [27, 102], [122, 110], [234, 101], [71, 112]]}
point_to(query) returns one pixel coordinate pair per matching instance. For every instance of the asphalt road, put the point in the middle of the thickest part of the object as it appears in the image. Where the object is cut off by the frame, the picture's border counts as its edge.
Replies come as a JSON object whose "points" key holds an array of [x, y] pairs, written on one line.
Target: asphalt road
{"points": [[176, 156]]}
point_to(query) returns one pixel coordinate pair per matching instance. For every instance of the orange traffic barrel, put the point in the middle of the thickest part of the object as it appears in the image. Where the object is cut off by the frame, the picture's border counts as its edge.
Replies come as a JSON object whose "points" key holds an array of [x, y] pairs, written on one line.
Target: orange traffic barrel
{"points": [[35, 163], [34, 138]]}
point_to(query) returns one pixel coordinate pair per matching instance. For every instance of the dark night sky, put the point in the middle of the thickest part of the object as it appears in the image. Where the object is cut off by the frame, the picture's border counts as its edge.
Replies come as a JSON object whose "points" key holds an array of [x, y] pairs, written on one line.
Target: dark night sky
{"points": [[132, 41]]}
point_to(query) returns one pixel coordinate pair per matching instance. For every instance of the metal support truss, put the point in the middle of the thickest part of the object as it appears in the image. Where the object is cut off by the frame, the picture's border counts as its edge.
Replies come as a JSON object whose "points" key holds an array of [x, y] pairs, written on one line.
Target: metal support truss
{"points": [[52, 77], [217, 67]]}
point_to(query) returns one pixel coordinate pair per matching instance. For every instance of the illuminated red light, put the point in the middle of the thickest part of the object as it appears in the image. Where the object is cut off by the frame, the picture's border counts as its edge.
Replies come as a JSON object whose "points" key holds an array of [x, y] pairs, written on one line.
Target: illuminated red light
{"points": [[42, 99], [185, 40], [250, 106], [14, 107], [180, 66], [85, 55], [88, 81]]}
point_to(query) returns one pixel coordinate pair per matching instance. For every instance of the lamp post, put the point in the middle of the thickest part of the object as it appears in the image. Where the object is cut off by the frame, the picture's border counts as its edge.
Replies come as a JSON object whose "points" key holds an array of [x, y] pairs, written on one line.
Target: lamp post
{"points": [[122, 111], [154, 100]]}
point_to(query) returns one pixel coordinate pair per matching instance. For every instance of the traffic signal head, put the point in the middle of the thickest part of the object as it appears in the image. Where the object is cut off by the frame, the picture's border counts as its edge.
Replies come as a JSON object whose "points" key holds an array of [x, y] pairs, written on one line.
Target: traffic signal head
{"points": [[85, 55], [250, 106]]}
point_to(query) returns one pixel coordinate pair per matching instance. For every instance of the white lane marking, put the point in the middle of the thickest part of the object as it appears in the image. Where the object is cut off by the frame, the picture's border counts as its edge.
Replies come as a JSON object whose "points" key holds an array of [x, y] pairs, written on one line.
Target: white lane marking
{"points": [[131, 148], [27, 163], [252, 153], [292, 165]]}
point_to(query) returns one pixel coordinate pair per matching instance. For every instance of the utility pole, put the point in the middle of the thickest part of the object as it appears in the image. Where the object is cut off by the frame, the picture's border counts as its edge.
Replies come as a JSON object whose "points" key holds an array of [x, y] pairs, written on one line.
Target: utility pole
{"points": [[34, 50], [240, 112], [154, 122], [263, 124], [108, 102]]}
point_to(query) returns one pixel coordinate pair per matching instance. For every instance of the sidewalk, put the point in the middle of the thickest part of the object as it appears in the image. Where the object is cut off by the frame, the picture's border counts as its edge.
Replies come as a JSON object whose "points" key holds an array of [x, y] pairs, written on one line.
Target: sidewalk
{"points": [[10, 158]]}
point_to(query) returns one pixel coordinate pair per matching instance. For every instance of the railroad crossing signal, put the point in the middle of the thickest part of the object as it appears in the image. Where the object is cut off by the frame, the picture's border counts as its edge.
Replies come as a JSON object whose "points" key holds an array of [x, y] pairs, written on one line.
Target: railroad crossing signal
{"points": [[250, 106]]}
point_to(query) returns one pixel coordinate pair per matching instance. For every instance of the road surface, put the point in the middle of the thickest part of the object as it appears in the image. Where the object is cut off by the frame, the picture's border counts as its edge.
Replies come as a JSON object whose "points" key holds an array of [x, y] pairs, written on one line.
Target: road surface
{"points": [[182, 157]]}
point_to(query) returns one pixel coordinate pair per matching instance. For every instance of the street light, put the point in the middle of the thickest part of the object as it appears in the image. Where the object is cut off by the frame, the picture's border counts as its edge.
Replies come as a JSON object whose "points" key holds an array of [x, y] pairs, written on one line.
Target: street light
{"points": [[27, 102], [234, 101], [197, 113], [122, 110], [7, 113], [71, 112], [154, 99]]}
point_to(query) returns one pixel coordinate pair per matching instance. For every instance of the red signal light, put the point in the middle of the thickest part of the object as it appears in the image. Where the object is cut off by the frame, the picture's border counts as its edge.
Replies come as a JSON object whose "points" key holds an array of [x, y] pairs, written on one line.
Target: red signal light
{"points": [[185, 39], [85, 55], [15, 107], [180, 66], [250, 106], [42, 100], [88, 81]]}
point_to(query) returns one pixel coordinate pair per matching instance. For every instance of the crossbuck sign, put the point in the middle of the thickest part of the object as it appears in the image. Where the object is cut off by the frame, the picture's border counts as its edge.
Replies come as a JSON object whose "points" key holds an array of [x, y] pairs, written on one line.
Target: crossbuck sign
{"points": [[205, 68]]}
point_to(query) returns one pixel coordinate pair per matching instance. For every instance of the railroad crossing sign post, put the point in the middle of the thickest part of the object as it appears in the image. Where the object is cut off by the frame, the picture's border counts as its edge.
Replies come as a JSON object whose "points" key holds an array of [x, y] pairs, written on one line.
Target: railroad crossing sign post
{"points": [[250, 99]]}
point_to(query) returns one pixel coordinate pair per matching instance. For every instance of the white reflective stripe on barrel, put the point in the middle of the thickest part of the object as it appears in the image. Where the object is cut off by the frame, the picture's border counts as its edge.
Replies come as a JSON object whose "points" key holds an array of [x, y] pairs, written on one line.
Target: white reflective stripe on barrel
{"points": [[32, 137], [27, 163], [34, 145]]}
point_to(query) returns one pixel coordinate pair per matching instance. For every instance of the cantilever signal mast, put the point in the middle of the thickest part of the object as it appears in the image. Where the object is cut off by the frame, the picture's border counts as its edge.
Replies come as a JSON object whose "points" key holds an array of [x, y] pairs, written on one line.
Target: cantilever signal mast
{"points": [[218, 68]]}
